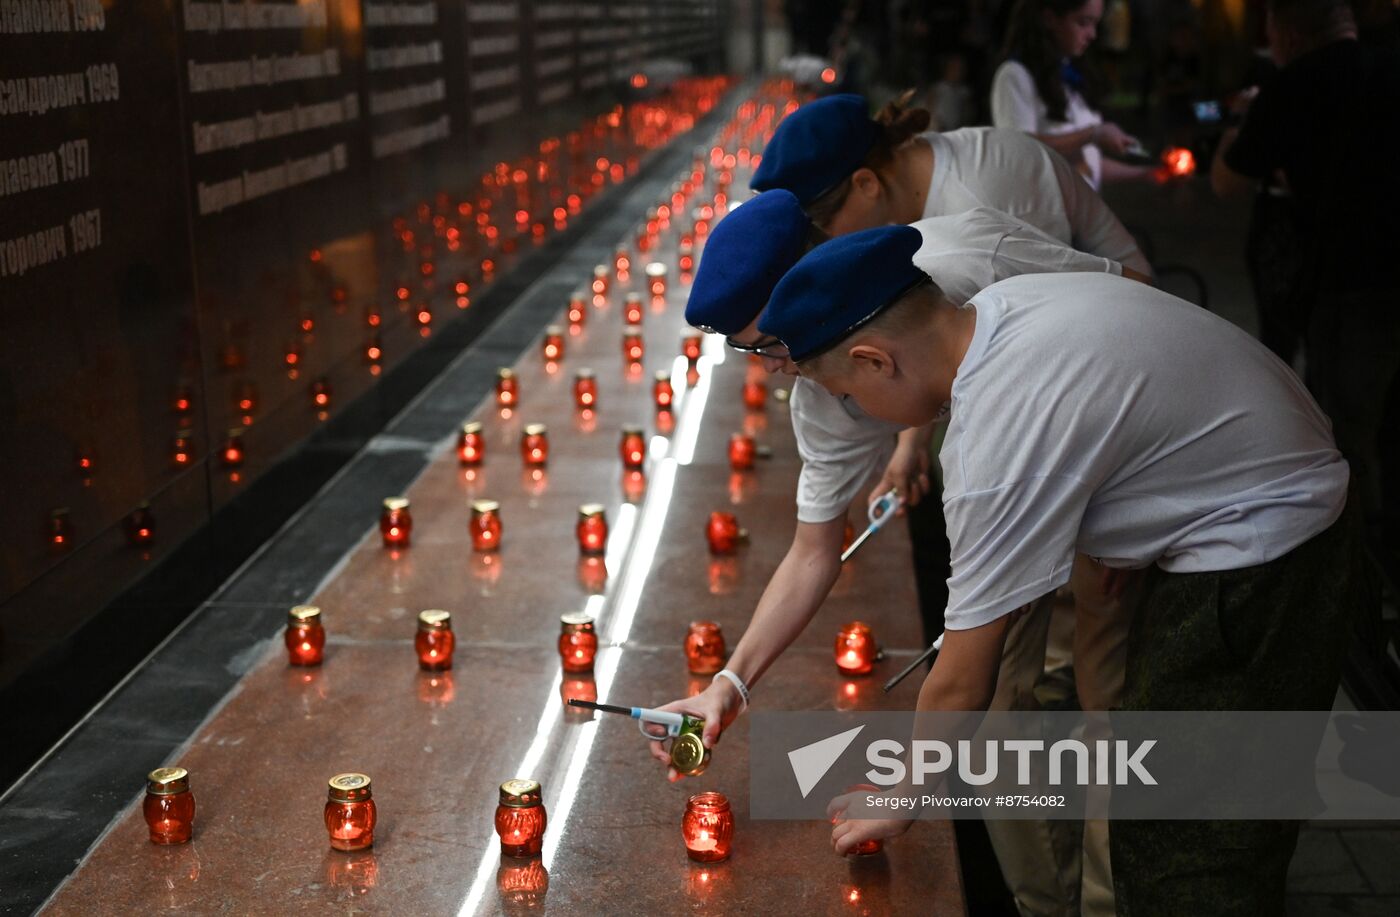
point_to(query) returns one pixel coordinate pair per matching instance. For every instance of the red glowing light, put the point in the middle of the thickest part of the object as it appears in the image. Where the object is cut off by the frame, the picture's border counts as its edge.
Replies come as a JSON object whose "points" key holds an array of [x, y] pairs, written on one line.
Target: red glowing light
{"points": [[1180, 162], [471, 446], [741, 451], [855, 649], [639, 80], [396, 523], [633, 448], [520, 818], [140, 527], [168, 808], [707, 827], [552, 347], [305, 636], [691, 345], [434, 640], [723, 533], [485, 527], [585, 389], [534, 445], [662, 392], [632, 348], [632, 310], [578, 642], [350, 813], [755, 394], [507, 388], [321, 393], [592, 529], [704, 648]]}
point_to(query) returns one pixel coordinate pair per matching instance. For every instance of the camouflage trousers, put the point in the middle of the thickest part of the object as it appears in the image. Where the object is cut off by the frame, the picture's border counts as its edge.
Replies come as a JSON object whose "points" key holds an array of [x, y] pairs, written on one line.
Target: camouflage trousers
{"points": [[1268, 637]]}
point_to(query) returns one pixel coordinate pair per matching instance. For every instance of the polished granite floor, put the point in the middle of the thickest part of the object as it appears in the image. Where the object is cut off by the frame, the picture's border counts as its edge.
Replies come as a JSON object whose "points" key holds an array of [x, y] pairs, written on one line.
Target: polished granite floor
{"points": [[438, 745]]}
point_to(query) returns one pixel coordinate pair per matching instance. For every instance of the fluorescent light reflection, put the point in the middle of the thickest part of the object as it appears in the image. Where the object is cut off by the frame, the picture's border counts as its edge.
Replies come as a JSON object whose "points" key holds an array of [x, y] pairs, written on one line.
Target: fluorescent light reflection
{"points": [[629, 591], [688, 430]]}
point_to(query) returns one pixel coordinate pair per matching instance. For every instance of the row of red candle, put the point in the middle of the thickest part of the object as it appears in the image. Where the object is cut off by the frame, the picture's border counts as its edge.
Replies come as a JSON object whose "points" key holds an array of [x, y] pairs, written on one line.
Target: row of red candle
{"points": [[305, 638]]}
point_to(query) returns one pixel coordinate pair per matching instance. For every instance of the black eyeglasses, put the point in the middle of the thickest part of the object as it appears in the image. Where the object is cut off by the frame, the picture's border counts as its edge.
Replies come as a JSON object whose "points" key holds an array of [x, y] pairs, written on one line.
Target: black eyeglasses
{"points": [[770, 347]]}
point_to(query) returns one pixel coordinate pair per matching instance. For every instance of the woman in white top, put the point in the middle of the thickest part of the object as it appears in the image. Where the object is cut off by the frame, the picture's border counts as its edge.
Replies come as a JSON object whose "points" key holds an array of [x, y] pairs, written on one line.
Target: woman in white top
{"points": [[1039, 90]]}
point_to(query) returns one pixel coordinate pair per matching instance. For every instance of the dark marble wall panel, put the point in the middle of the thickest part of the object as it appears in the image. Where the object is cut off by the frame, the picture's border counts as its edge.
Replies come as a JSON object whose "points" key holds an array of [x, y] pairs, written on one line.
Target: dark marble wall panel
{"points": [[221, 222]]}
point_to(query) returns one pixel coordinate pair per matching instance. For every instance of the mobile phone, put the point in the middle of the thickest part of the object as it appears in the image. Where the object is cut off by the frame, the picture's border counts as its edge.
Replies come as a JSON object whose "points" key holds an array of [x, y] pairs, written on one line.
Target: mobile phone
{"points": [[1207, 112]]}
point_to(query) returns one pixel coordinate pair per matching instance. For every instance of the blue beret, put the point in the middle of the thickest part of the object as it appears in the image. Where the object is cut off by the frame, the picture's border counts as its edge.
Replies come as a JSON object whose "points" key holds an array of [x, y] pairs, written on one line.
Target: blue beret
{"points": [[839, 286], [746, 255], [816, 147]]}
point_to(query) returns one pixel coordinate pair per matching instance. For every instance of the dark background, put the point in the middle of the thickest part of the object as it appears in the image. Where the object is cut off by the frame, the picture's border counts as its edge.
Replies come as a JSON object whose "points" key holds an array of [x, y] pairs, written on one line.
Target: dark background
{"points": [[198, 317]]}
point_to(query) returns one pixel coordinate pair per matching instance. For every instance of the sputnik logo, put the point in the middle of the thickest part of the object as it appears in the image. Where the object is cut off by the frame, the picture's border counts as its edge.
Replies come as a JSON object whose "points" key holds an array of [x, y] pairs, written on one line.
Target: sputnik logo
{"points": [[811, 762]]}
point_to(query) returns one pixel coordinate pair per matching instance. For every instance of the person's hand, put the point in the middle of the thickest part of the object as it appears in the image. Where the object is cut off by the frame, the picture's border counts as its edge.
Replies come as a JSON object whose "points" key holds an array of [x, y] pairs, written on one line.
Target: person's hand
{"points": [[717, 705], [907, 474], [850, 828], [1111, 138]]}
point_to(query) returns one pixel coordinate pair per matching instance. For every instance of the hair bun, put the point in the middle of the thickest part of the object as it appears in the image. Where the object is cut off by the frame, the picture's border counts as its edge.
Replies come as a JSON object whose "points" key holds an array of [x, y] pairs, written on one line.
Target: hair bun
{"points": [[900, 121]]}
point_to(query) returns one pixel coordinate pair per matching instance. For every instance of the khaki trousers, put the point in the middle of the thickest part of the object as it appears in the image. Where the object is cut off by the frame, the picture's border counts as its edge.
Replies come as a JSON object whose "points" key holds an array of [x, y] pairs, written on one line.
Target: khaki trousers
{"points": [[1051, 868]]}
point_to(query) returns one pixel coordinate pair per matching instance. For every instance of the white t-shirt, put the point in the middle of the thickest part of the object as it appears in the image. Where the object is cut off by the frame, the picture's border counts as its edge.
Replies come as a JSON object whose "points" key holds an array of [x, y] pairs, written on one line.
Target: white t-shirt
{"points": [[1016, 104], [1017, 174], [1099, 415], [841, 446]]}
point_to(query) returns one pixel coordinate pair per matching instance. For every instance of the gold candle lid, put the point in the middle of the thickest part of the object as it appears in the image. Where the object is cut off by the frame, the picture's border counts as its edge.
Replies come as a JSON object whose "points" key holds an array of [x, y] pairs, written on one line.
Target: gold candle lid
{"points": [[553, 331], [704, 625], [505, 372], [663, 375], [304, 614], [575, 621], [584, 373], [656, 269], [632, 431], [634, 298], [689, 755], [472, 427], [578, 296], [601, 271], [349, 788], [534, 429], [395, 503], [435, 619], [520, 793], [591, 509], [629, 336], [167, 781], [484, 506]]}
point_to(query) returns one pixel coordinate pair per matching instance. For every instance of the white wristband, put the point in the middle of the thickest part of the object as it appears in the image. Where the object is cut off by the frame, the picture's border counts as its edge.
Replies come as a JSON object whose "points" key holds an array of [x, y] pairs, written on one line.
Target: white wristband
{"points": [[738, 684]]}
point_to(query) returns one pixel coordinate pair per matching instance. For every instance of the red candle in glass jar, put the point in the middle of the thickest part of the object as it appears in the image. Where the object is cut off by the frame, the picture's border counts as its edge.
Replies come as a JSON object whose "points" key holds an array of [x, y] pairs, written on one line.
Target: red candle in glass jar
{"points": [[690, 346], [578, 642], [662, 392], [600, 280], [708, 827], [633, 448], [755, 394], [471, 445], [534, 445], [723, 533], [685, 257], [141, 527], [169, 806], [632, 347], [585, 389], [856, 649], [552, 347], [231, 454], [486, 525], [656, 278], [305, 636], [507, 388], [578, 309], [434, 641], [60, 531], [632, 309], [622, 263], [321, 394], [741, 451], [704, 648], [520, 818], [523, 887], [396, 523], [182, 448], [350, 813], [592, 529]]}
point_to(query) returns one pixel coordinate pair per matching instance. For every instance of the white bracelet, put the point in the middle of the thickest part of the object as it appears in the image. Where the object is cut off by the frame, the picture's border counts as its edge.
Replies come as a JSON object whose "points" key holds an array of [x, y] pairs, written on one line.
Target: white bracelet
{"points": [[738, 684]]}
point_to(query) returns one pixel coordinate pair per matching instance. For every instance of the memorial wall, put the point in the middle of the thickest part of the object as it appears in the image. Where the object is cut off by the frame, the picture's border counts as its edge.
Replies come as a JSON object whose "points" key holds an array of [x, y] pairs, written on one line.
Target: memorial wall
{"points": [[220, 222]]}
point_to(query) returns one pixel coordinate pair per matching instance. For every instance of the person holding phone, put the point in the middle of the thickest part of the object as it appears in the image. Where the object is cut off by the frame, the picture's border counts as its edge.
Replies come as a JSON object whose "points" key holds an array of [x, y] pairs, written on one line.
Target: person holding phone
{"points": [[1041, 89]]}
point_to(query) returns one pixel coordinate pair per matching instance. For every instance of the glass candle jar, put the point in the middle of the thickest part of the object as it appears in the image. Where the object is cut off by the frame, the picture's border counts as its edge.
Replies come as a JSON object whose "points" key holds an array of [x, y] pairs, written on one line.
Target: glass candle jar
{"points": [[396, 523], [685, 257], [471, 445], [60, 531], [656, 278], [486, 525], [305, 636], [434, 641], [741, 451], [523, 887], [577, 313], [600, 280], [140, 527], [520, 818], [534, 445], [704, 648], [182, 448], [856, 649], [231, 453], [592, 529], [632, 347], [350, 812], [707, 827], [633, 448], [321, 394], [723, 533], [169, 805], [507, 388], [632, 309], [691, 345], [662, 392], [578, 642], [621, 262], [755, 394], [552, 347], [585, 389]]}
